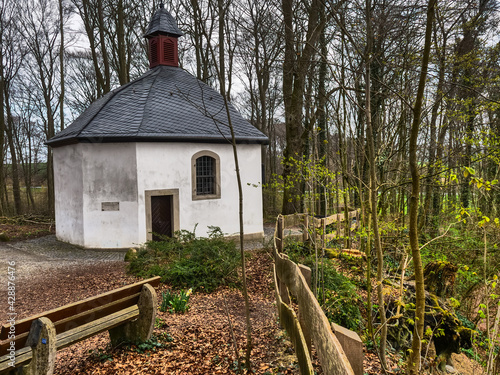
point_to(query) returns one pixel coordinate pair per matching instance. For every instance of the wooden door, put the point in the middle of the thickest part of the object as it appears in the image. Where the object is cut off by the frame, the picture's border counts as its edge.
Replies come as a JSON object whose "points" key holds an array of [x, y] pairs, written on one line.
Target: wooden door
{"points": [[161, 216]]}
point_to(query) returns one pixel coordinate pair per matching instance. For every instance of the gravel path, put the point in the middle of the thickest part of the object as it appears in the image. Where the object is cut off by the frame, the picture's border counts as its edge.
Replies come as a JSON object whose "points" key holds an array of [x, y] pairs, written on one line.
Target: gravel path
{"points": [[41, 255]]}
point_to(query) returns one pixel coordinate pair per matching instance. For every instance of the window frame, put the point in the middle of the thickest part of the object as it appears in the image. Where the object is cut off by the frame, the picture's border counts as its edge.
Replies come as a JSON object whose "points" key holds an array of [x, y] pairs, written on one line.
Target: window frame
{"points": [[194, 158]]}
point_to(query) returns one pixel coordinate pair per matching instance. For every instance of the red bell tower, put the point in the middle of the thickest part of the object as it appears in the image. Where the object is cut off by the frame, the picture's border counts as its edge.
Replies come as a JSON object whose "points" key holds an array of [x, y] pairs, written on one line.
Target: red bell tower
{"points": [[162, 37], [163, 51]]}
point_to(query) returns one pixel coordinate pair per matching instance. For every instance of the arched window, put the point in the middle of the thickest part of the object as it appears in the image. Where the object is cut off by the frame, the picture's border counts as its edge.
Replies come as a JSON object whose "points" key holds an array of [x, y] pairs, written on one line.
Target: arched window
{"points": [[205, 175]]}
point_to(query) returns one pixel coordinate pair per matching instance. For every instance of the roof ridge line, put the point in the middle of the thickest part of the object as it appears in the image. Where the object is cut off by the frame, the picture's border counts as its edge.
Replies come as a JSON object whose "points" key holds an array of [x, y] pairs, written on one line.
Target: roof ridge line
{"points": [[147, 99], [112, 94]]}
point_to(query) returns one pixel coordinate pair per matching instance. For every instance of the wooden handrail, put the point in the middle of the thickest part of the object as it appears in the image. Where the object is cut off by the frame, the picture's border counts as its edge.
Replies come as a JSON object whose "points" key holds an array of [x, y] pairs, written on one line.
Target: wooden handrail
{"points": [[332, 357], [312, 323]]}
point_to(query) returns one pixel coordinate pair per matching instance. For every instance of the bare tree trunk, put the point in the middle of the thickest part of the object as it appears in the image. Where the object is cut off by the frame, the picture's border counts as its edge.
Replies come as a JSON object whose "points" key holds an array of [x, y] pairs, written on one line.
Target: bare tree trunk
{"points": [[198, 34], [374, 192], [87, 17], [431, 191], [418, 332], [21, 159], [322, 123], [293, 125], [295, 70], [106, 78], [497, 364], [3, 187], [122, 56], [9, 130], [29, 174], [61, 64], [342, 131], [221, 71]]}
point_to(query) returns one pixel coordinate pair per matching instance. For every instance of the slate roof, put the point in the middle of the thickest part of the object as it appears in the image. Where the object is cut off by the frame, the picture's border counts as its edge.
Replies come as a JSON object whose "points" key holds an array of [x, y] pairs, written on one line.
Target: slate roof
{"points": [[165, 104], [162, 23]]}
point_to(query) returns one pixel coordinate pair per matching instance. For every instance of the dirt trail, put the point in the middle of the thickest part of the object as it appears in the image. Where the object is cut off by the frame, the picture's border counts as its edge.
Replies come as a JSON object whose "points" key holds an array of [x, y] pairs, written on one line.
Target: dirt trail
{"points": [[39, 256]]}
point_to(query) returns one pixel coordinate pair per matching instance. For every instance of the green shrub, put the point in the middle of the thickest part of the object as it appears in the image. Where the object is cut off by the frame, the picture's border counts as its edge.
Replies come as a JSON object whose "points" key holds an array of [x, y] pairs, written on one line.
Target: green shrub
{"points": [[188, 261], [340, 301], [175, 302], [296, 250]]}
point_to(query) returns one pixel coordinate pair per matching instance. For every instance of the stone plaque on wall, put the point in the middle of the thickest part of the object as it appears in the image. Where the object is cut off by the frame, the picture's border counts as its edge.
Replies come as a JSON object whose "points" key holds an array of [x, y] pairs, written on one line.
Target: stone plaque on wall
{"points": [[110, 206]]}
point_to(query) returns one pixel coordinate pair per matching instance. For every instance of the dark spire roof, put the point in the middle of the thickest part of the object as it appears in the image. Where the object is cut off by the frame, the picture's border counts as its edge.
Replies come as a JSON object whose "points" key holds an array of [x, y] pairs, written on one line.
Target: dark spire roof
{"points": [[162, 23], [164, 104]]}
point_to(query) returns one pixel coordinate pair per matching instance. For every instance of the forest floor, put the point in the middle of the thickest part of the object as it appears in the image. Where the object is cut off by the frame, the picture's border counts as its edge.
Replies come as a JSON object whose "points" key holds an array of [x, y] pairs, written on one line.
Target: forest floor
{"points": [[197, 342], [25, 227]]}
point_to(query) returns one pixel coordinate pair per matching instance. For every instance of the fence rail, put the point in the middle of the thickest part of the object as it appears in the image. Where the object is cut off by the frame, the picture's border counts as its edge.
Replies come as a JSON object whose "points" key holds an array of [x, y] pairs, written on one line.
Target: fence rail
{"points": [[315, 228], [339, 350]]}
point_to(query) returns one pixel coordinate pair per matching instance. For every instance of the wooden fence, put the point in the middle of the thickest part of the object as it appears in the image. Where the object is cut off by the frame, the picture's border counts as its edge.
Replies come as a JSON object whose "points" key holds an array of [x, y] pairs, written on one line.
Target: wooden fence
{"points": [[339, 350], [315, 228]]}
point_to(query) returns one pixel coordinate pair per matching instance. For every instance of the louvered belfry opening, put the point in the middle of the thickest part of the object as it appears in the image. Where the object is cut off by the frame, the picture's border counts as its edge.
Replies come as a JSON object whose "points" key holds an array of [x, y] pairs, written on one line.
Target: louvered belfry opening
{"points": [[168, 50], [153, 51], [163, 51]]}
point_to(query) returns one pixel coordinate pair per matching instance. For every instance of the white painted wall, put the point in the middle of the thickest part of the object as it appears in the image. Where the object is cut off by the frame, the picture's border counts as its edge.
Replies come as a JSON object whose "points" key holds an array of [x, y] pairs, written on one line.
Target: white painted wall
{"points": [[68, 188], [109, 175], [168, 166], [89, 174]]}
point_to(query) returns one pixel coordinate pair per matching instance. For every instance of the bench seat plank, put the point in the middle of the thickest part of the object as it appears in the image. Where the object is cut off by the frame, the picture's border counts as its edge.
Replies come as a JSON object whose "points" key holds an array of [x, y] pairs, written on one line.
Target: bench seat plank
{"points": [[132, 306], [20, 342], [100, 325], [23, 357], [99, 312], [55, 315], [77, 320]]}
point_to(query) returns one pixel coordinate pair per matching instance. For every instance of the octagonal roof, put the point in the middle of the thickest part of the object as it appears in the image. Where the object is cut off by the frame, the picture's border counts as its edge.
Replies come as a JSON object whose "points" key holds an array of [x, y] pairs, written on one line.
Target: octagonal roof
{"points": [[166, 104]]}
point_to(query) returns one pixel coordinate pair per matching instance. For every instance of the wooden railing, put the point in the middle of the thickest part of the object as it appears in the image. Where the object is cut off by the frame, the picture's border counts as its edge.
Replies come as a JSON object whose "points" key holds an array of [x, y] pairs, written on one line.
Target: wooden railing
{"points": [[315, 229], [310, 325]]}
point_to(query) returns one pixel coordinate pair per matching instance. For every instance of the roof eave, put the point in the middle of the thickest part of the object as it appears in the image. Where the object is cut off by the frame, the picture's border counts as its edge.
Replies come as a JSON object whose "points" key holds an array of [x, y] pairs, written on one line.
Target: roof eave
{"points": [[59, 142]]}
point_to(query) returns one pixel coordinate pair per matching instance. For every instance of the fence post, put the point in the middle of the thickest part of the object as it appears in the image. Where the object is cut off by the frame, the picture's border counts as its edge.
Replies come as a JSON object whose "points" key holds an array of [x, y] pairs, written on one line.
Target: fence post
{"points": [[323, 234], [305, 232], [306, 272], [280, 233], [352, 346], [285, 296]]}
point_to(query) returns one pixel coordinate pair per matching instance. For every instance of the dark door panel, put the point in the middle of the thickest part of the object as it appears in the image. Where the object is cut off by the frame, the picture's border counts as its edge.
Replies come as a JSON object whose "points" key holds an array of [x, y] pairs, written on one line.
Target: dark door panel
{"points": [[161, 216]]}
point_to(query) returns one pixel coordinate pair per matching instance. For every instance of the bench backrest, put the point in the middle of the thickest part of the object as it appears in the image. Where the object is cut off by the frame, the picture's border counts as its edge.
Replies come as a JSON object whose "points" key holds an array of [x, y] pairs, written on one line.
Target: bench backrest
{"points": [[78, 313]]}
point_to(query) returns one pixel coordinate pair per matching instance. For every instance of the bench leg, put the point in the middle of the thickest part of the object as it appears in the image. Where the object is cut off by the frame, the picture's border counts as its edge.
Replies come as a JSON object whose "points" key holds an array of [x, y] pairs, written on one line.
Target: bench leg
{"points": [[140, 329], [42, 339]]}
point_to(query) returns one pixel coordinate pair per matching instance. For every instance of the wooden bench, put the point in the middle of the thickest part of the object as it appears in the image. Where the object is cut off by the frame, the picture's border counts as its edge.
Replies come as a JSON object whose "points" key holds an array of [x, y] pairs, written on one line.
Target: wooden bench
{"points": [[128, 313]]}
